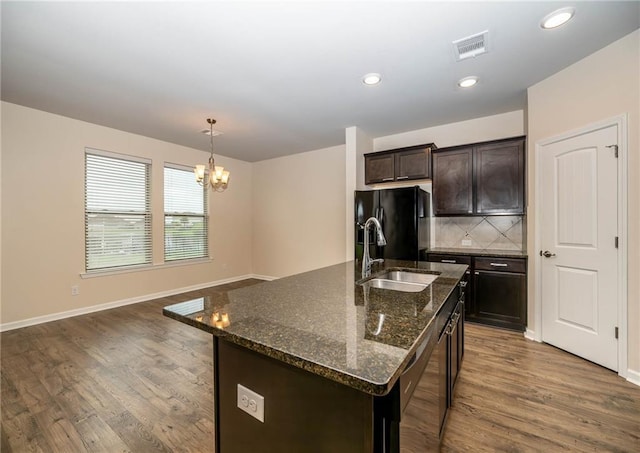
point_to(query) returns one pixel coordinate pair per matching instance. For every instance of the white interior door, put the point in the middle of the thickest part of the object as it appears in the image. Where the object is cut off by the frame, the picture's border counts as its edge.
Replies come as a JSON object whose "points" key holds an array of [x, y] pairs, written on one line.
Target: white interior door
{"points": [[579, 230]]}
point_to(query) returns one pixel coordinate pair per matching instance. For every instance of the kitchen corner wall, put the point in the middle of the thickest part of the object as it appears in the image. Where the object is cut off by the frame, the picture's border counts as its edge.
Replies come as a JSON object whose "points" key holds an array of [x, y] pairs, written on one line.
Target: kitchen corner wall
{"points": [[43, 218], [601, 86], [299, 212]]}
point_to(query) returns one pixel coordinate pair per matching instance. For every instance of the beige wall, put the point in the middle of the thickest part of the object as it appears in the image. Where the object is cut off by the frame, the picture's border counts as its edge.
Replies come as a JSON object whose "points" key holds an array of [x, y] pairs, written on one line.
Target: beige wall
{"points": [[601, 86], [299, 212], [504, 125], [43, 220], [0, 215]]}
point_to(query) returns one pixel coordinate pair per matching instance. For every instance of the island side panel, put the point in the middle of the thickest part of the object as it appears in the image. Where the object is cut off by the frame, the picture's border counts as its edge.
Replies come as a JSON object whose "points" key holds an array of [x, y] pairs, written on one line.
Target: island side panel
{"points": [[216, 396], [302, 411]]}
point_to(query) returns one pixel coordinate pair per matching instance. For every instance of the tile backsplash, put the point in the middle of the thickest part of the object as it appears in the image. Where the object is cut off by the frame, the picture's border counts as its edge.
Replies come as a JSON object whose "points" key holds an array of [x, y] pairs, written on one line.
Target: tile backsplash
{"points": [[490, 232]]}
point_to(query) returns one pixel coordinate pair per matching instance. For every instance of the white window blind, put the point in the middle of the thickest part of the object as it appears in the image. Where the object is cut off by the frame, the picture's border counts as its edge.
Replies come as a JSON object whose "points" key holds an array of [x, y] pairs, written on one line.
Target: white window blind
{"points": [[117, 211], [185, 216]]}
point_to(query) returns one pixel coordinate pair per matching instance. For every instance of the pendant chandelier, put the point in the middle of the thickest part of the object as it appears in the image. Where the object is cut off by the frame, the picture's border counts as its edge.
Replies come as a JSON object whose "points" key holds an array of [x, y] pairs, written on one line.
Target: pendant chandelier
{"points": [[215, 176]]}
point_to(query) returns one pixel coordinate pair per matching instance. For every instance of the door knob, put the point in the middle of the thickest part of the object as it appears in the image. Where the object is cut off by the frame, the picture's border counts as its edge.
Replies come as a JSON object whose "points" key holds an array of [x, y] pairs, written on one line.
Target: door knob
{"points": [[547, 254]]}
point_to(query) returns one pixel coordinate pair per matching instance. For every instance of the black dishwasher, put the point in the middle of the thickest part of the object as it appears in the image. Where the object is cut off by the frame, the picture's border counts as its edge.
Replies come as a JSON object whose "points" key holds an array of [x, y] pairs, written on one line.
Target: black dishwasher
{"points": [[436, 368]]}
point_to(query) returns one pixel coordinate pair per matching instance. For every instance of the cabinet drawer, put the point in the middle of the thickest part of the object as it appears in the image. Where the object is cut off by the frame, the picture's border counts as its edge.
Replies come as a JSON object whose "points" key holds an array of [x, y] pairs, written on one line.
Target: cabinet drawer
{"points": [[453, 259], [501, 264]]}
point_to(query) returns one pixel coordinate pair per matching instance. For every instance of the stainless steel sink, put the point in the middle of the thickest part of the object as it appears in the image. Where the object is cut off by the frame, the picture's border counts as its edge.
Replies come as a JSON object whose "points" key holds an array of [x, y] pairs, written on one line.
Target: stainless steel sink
{"points": [[409, 277], [408, 282], [406, 287]]}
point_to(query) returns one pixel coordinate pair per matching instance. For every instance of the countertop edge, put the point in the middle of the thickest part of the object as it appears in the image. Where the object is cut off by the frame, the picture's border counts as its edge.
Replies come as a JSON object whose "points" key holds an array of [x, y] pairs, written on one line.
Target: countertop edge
{"points": [[340, 377]]}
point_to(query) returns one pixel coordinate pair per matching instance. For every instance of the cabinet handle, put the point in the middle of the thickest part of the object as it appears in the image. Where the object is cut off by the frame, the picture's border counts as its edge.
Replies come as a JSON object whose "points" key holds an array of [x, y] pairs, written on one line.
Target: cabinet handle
{"points": [[387, 179], [499, 264], [449, 328], [402, 177], [448, 261], [477, 273]]}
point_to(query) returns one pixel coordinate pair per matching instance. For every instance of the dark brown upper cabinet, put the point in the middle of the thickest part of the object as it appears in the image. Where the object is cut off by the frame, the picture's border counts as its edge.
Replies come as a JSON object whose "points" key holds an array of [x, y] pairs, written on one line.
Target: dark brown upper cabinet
{"points": [[453, 182], [413, 162], [480, 179], [379, 167], [499, 171]]}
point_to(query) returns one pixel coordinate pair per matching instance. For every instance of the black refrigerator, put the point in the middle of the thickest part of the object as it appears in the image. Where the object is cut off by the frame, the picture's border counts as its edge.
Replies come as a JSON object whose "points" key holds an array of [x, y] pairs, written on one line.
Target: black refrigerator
{"points": [[404, 215]]}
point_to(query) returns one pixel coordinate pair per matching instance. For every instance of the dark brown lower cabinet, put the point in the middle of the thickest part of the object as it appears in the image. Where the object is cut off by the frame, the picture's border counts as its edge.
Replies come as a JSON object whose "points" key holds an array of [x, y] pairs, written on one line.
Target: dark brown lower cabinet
{"points": [[500, 298], [458, 259], [496, 289], [455, 349]]}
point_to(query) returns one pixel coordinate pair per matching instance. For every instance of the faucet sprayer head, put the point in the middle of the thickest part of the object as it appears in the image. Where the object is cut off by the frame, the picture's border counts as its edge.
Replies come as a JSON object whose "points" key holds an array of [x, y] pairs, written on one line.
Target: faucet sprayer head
{"points": [[381, 239]]}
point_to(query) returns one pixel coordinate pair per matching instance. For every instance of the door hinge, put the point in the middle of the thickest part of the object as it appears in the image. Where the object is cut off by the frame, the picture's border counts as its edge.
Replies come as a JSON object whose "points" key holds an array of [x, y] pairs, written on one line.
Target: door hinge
{"points": [[616, 241], [616, 332], [615, 149]]}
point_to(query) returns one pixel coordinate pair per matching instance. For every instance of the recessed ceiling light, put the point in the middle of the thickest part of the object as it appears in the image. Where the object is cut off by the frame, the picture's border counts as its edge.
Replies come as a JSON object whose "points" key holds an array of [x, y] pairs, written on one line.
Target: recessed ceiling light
{"points": [[467, 82], [557, 18], [371, 79]]}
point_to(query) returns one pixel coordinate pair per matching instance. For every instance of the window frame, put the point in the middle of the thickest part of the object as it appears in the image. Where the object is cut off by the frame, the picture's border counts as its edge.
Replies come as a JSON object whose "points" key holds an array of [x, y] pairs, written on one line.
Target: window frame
{"points": [[204, 216], [146, 214]]}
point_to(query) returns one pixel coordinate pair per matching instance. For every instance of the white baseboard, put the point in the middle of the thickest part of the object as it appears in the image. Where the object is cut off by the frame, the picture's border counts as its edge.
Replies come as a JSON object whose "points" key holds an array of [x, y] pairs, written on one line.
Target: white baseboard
{"points": [[264, 277], [633, 377], [119, 303], [531, 335]]}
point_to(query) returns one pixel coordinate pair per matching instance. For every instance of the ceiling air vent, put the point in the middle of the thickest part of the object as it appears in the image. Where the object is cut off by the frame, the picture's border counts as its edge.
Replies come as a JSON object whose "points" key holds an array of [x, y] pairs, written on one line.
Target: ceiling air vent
{"points": [[471, 46]]}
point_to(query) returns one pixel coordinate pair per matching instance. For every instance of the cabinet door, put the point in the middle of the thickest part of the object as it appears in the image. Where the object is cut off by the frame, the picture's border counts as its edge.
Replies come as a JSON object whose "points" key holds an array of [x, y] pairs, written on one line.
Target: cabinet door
{"points": [[499, 170], [379, 168], [453, 182], [501, 299], [413, 164]]}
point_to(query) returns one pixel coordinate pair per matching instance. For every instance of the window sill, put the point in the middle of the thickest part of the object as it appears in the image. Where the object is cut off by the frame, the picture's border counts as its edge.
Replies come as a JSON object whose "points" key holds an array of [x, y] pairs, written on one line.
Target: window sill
{"points": [[145, 268]]}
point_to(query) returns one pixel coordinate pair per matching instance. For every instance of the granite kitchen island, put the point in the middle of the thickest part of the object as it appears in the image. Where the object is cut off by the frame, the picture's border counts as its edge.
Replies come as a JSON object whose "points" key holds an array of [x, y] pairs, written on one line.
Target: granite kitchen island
{"points": [[334, 359]]}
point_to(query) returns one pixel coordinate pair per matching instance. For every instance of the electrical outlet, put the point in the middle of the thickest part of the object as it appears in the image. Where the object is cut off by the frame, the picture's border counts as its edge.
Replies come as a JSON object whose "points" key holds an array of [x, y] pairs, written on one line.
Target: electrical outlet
{"points": [[251, 402], [75, 290], [466, 242]]}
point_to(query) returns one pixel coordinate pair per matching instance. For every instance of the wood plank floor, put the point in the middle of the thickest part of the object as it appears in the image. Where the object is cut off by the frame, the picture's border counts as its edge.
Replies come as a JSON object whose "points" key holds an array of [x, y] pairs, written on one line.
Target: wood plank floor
{"points": [[131, 380]]}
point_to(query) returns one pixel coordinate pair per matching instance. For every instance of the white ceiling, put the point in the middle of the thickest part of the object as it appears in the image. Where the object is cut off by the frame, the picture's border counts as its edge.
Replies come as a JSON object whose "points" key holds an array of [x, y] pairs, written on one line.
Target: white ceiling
{"points": [[283, 78]]}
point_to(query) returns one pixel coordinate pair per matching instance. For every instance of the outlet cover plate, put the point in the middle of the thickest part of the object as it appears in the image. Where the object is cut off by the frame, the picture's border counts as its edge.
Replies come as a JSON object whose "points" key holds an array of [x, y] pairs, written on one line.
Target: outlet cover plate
{"points": [[251, 402]]}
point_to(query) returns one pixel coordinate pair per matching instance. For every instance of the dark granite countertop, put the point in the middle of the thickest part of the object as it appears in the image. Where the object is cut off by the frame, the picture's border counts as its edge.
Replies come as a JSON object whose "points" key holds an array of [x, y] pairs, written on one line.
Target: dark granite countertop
{"points": [[324, 322], [479, 252]]}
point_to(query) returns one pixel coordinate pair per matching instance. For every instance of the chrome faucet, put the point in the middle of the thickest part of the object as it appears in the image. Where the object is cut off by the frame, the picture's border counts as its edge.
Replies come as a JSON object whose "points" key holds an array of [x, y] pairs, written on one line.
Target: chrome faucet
{"points": [[366, 258]]}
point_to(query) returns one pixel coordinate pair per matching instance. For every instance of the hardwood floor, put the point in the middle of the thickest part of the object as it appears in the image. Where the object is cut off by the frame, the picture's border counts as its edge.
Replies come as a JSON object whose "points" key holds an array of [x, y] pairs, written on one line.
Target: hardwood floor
{"points": [[129, 379], [515, 395]]}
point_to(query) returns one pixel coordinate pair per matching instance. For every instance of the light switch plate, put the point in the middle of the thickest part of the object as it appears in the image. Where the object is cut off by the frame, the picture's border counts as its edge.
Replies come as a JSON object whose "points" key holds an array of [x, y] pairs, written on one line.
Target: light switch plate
{"points": [[251, 402]]}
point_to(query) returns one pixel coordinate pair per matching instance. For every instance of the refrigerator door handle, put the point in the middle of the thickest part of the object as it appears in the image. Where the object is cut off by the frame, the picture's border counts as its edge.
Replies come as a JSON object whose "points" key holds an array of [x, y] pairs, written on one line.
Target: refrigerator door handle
{"points": [[381, 214]]}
